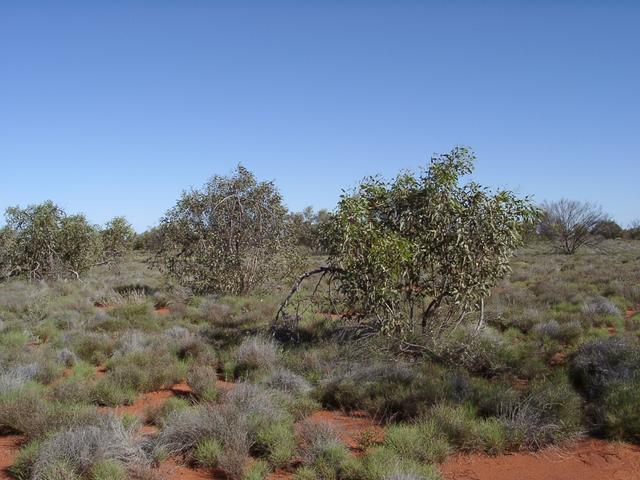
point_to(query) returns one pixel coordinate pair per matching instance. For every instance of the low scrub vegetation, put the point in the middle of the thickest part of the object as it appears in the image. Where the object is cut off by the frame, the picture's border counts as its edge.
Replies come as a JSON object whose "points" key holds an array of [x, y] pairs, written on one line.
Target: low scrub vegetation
{"points": [[524, 349]]}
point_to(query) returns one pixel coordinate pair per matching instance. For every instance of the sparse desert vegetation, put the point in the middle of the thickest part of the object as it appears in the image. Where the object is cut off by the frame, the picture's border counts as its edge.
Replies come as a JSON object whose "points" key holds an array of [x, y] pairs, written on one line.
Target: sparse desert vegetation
{"points": [[421, 319]]}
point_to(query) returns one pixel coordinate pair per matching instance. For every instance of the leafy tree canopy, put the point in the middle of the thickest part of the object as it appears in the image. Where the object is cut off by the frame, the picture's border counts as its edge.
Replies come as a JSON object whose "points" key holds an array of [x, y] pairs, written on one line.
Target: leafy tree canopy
{"points": [[228, 237], [423, 249], [42, 241]]}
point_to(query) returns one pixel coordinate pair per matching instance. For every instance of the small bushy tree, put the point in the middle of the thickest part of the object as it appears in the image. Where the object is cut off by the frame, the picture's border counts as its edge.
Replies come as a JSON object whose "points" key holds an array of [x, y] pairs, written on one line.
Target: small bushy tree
{"points": [[42, 241], [227, 237], [633, 231], [9, 264], [572, 225], [117, 238], [306, 226], [608, 229], [423, 248]]}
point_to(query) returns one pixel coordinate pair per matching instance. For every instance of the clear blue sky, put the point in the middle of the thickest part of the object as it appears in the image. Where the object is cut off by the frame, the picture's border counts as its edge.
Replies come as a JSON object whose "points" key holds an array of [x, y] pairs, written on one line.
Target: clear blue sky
{"points": [[114, 107]]}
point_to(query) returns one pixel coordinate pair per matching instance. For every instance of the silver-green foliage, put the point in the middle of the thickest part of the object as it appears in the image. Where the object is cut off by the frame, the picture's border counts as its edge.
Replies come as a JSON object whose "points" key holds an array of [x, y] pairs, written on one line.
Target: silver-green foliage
{"points": [[117, 238], [42, 241], [423, 247], [227, 236]]}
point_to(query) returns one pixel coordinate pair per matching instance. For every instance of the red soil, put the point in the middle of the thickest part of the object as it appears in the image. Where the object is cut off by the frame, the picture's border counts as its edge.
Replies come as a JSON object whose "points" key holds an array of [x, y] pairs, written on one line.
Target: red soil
{"points": [[142, 404], [162, 311], [280, 475], [150, 400], [9, 446], [588, 459], [350, 427], [224, 386], [171, 469]]}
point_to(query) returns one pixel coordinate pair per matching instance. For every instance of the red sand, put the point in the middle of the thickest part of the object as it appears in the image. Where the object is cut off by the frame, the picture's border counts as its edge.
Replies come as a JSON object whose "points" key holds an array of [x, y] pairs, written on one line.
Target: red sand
{"points": [[588, 459], [170, 469], [350, 426], [142, 403], [9, 446]]}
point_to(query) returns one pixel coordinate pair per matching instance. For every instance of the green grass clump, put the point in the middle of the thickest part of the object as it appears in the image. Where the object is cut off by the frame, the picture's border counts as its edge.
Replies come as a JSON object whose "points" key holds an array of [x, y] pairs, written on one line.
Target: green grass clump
{"points": [[382, 463], [621, 411], [59, 471], [24, 411], [468, 432], [207, 453], [305, 473], [145, 372], [258, 470], [276, 442], [109, 470], [202, 380], [110, 393], [23, 463], [421, 442], [331, 461], [158, 415], [94, 348]]}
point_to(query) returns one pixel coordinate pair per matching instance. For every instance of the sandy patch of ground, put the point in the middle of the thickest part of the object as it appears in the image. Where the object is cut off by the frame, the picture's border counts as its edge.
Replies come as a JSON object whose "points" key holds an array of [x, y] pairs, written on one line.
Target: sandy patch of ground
{"points": [[588, 459], [350, 426], [9, 446]]}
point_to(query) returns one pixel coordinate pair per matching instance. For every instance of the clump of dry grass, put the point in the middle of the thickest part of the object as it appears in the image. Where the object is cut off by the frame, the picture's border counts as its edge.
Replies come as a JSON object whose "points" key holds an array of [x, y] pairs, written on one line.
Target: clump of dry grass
{"points": [[17, 376], [600, 306], [256, 353], [82, 447], [202, 380], [317, 438], [185, 429], [288, 382]]}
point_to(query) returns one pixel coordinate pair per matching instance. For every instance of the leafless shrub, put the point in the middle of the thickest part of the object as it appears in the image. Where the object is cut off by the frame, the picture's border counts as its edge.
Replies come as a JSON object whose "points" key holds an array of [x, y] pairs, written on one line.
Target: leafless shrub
{"points": [[571, 224], [83, 446]]}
